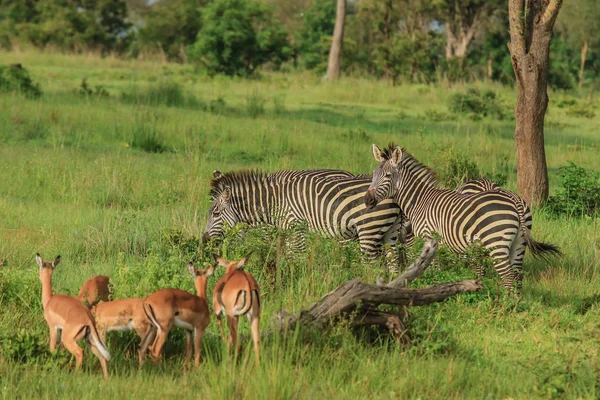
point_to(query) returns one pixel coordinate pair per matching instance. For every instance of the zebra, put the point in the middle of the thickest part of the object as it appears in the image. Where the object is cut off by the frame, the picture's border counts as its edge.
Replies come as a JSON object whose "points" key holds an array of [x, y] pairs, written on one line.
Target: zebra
{"points": [[329, 202], [488, 217]]}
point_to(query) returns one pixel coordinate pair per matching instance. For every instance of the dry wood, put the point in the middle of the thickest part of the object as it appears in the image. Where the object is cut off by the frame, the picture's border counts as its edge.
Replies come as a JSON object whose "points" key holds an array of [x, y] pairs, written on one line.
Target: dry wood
{"points": [[357, 301]]}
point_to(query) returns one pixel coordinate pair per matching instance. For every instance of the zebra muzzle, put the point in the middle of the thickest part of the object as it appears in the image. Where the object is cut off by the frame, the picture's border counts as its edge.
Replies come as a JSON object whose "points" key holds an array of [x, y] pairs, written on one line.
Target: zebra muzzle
{"points": [[370, 200]]}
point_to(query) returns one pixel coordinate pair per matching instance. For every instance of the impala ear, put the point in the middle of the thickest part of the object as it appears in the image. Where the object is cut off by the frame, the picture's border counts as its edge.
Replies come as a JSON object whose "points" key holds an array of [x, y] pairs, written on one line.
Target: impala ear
{"points": [[217, 174], [220, 260], [396, 156], [39, 260], [192, 269], [210, 270], [377, 153], [55, 262], [242, 262]]}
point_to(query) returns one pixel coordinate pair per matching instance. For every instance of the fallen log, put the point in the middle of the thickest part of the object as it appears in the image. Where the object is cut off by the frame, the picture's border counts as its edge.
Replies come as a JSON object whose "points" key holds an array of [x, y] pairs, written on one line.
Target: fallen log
{"points": [[358, 302]]}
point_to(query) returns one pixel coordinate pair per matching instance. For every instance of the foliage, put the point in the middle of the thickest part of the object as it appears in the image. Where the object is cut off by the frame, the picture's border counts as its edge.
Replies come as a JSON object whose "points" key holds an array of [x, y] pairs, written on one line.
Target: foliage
{"points": [[456, 168], [24, 347], [171, 26], [17, 79], [72, 25], [476, 104], [580, 192], [255, 105], [165, 92], [314, 36], [85, 90], [238, 36]]}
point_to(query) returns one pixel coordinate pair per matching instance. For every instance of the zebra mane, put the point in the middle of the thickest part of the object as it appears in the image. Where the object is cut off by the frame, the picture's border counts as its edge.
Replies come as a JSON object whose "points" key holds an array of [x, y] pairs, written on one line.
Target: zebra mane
{"points": [[235, 178], [424, 173]]}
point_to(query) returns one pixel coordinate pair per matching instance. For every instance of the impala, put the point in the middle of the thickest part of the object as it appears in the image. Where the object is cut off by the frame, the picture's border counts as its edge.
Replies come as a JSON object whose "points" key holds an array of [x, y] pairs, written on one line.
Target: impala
{"points": [[237, 294], [122, 315], [71, 317], [94, 290], [173, 307]]}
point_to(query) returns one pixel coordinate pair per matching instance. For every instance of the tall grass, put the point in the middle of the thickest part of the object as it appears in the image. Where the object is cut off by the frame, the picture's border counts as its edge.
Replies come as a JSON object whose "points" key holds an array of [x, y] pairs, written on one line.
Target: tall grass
{"points": [[91, 179]]}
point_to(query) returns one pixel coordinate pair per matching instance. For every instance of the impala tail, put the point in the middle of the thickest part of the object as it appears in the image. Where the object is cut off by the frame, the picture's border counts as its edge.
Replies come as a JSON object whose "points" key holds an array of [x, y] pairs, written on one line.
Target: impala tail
{"points": [[150, 314], [94, 338]]}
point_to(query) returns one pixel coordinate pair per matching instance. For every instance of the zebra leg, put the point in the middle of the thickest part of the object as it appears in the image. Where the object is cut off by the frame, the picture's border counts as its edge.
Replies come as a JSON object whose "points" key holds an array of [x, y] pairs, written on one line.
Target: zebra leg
{"points": [[503, 266], [517, 253], [295, 241]]}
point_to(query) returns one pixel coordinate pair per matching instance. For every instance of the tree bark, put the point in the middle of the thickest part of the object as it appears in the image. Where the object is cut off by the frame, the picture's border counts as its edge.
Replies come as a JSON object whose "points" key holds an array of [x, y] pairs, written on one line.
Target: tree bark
{"points": [[584, 51], [335, 53], [529, 48]]}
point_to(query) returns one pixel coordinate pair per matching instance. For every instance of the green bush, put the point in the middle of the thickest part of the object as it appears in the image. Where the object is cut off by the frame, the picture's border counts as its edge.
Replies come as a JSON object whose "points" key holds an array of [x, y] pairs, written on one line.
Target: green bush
{"points": [[255, 105], [581, 110], [238, 36], [86, 90], [580, 192], [17, 79], [145, 136], [165, 92], [456, 169], [476, 104]]}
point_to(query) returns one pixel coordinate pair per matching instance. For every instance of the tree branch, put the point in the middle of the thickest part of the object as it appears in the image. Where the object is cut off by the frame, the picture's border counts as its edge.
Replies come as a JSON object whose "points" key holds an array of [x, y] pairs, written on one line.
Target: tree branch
{"points": [[517, 29], [549, 16]]}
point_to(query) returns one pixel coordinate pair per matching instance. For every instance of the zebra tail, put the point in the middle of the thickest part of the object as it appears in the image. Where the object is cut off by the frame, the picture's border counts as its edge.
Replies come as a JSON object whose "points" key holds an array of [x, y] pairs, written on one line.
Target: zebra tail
{"points": [[94, 338], [538, 249]]}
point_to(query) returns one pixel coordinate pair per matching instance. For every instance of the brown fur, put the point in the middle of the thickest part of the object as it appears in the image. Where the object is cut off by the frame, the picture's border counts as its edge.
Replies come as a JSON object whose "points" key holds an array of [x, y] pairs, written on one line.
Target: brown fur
{"points": [[123, 314], [71, 317], [95, 290], [237, 294], [168, 307]]}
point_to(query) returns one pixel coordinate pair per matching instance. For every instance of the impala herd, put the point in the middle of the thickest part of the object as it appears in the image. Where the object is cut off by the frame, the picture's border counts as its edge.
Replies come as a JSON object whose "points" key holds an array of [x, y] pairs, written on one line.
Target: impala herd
{"points": [[92, 314]]}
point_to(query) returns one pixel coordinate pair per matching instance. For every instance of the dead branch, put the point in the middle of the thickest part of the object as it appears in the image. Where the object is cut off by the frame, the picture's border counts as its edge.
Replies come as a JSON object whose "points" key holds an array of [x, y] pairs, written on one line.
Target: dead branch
{"points": [[357, 301]]}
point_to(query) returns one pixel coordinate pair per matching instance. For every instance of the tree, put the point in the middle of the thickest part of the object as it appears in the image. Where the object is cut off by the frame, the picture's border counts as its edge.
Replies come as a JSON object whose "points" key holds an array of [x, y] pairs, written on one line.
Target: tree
{"points": [[170, 26], [317, 23], [531, 26], [238, 36], [579, 24], [335, 53], [463, 19]]}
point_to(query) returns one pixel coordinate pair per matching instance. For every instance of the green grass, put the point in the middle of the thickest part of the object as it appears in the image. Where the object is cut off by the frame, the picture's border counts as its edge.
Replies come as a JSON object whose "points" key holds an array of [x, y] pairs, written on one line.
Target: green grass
{"points": [[120, 187]]}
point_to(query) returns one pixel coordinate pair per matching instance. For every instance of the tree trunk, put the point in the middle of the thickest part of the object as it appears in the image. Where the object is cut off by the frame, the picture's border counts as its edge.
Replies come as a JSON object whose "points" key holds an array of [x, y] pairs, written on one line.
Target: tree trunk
{"points": [[490, 69], [335, 54], [529, 48], [584, 51]]}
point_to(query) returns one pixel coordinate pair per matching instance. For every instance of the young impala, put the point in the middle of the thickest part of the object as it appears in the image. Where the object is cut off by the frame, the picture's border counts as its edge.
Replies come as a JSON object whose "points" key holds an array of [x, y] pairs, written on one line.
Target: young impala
{"points": [[68, 315], [173, 307], [236, 294], [94, 290], [122, 315]]}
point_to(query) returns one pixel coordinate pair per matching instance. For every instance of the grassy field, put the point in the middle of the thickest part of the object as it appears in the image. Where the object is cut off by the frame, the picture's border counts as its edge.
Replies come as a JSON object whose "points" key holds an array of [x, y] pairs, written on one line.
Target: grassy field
{"points": [[118, 185]]}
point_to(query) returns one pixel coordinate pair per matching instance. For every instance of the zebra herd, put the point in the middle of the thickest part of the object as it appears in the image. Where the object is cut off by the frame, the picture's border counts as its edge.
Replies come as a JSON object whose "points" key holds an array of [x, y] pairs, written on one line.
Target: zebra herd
{"points": [[400, 200]]}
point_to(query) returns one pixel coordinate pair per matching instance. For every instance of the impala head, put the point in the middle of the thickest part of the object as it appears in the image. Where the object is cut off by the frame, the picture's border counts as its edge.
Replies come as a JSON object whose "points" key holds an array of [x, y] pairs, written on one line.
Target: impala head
{"points": [[386, 176], [200, 273], [46, 267], [221, 210], [231, 265]]}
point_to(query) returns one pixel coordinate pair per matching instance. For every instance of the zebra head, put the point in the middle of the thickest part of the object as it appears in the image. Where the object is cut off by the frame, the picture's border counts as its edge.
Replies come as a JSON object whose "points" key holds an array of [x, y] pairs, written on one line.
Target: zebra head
{"points": [[220, 212], [386, 177]]}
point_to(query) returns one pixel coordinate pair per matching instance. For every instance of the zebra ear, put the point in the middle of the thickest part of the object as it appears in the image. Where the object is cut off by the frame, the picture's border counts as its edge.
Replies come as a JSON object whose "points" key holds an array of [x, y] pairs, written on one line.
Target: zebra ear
{"points": [[377, 153], [226, 193], [217, 174], [396, 156]]}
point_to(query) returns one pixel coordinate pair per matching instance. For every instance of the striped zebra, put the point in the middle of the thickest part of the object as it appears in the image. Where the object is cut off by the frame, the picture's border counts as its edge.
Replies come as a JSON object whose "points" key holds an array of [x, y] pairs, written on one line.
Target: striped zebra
{"points": [[488, 217], [329, 202]]}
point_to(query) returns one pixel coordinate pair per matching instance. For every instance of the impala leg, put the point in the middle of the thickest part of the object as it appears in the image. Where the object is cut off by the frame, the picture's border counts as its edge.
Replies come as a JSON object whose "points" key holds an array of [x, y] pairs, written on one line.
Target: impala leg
{"points": [[220, 323], [102, 360], [148, 338], [73, 347], [53, 338], [198, 334], [254, 327], [161, 338], [232, 324], [188, 346]]}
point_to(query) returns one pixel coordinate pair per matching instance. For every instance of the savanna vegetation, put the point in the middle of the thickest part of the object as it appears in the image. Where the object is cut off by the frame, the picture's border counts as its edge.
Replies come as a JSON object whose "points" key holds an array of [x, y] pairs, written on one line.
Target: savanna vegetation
{"points": [[107, 162]]}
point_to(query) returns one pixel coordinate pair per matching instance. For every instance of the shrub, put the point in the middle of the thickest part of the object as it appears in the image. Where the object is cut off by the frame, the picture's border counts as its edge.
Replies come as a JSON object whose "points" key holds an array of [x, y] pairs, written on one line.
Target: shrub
{"points": [[85, 90], [456, 169], [476, 104], [24, 347], [238, 36], [581, 110], [580, 192], [145, 136], [16, 79], [437, 116], [217, 106], [166, 92], [255, 105]]}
